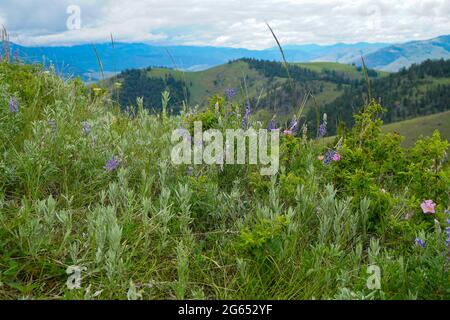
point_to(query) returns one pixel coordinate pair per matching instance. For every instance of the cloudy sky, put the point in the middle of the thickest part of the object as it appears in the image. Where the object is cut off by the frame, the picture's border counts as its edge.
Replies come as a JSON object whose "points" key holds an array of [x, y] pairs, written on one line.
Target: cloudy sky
{"points": [[233, 23]]}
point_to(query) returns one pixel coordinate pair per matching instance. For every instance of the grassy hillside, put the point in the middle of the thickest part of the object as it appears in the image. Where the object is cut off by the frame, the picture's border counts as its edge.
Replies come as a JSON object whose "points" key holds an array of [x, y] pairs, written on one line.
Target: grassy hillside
{"points": [[420, 90], [251, 83], [203, 84], [338, 90], [414, 128], [351, 71]]}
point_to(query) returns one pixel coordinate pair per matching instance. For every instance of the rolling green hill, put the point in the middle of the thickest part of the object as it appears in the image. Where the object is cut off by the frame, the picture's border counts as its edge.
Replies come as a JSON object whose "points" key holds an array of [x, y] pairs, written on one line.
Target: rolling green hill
{"points": [[339, 90], [325, 80], [414, 128], [418, 91], [425, 126]]}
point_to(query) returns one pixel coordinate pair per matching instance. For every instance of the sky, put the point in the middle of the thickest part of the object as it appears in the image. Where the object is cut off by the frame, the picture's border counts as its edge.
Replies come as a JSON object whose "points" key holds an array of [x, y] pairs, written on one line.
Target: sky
{"points": [[230, 23]]}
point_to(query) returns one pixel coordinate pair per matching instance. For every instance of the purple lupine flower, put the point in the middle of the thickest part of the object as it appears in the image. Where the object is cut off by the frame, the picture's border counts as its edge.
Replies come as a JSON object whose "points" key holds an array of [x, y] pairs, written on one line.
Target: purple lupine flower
{"points": [[52, 124], [230, 93], [189, 171], [272, 124], [13, 105], [294, 126], [244, 122], [86, 128], [447, 231], [112, 164], [322, 130], [329, 156], [247, 113], [420, 242]]}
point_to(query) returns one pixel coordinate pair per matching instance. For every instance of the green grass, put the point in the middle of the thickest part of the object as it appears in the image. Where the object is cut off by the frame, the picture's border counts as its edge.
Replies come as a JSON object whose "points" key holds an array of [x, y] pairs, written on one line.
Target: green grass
{"points": [[421, 126]]}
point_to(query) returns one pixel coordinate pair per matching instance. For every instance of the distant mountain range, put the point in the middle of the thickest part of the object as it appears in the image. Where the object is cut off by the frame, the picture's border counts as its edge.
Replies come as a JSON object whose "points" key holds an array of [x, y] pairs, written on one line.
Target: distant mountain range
{"points": [[81, 60], [395, 57]]}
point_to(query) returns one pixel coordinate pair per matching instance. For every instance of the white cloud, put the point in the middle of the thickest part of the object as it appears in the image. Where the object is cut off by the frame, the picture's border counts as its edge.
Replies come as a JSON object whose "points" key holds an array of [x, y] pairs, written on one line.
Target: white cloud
{"points": [[234, 23]]}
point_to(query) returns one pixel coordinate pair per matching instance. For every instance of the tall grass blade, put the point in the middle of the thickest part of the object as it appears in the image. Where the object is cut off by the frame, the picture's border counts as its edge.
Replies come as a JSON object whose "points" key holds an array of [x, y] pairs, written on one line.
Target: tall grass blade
{"points": [[99, 61]]}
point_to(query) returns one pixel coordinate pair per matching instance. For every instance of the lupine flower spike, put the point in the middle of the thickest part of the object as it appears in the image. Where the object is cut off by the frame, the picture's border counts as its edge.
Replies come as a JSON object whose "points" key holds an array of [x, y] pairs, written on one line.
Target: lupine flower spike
{"points": [[246, 115], [420, 242], [112, 164], [272, 124], [230, 93], [52, 124], [13, 105], [86, 128]]}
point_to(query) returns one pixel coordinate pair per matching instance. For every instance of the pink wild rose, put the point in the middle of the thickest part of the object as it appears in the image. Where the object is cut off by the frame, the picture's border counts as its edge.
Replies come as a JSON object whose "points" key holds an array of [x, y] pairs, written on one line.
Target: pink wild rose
{"points": [[336, 157], [428, 206]]}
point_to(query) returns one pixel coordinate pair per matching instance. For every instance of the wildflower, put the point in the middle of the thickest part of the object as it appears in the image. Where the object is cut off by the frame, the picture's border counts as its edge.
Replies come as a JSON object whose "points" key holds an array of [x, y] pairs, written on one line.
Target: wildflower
{"points": [[52, 124], [448, 221], [293, 126], [447, 231], [447, 211], [323, 126], [112, 164], [320, 158], [287, 132], [13, 105], [408, 215], [247, 109], [272, 124], [230, 93], [247, 113], [336, 157], [322, 130], [329, 157], [86, 128], [190, 171], [428, 206], [420, 242]]}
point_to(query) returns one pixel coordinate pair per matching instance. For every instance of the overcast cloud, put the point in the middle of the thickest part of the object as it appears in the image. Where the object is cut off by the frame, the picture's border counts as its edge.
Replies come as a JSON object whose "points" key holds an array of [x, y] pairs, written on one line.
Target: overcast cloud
{"points": [[233, 23]]}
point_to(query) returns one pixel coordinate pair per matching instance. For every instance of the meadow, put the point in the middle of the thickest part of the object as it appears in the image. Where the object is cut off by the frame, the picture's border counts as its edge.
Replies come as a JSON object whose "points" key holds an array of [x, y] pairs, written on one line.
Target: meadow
{"points": [[91, 206]]}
